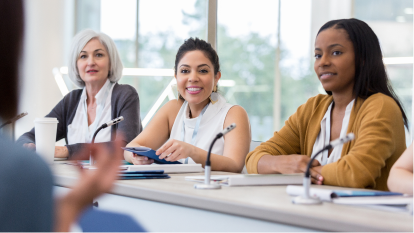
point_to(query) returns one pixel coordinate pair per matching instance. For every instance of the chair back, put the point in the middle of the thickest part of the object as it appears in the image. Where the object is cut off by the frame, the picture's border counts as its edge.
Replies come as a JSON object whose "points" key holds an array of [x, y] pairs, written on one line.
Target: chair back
{"points": [[253, 145]]}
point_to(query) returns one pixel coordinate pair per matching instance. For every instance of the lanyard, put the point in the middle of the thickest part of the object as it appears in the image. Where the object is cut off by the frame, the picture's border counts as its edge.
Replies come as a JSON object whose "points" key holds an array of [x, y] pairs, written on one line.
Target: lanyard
{"points": [[99, 111], [196, 128]]}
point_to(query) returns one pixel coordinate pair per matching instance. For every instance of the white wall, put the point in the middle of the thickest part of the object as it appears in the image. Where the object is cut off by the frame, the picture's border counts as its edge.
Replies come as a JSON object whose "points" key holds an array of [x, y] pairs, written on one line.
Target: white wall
{"points": [[49, 27]]}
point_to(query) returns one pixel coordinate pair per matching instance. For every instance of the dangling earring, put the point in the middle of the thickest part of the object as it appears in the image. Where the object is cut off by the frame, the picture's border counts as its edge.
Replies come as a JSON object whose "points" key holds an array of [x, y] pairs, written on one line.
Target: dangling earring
{"points": [[214, 95]]}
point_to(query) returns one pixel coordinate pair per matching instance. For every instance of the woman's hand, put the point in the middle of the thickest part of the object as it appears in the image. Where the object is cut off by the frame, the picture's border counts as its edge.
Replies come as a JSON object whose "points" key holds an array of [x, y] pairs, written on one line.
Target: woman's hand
{"points": [[30, 146], [137, 159], [140, 160], [298, 164], [174, 150], [61, 152], [288, 164], [316, 176]]}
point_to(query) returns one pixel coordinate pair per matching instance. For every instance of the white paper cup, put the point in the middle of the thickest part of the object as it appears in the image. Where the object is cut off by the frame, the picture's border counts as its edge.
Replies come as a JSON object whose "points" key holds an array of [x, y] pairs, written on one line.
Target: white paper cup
{"points": [[45, 133]]}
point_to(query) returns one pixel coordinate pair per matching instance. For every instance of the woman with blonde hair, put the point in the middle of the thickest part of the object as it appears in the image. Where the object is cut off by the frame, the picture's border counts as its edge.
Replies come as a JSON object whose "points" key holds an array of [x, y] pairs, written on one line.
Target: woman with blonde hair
{"points": [[96, 67]]}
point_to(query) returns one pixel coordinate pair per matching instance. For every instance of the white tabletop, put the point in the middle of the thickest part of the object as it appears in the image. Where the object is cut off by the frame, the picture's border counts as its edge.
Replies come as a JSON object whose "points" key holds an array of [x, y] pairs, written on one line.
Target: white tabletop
{"points": [[269, 203]]}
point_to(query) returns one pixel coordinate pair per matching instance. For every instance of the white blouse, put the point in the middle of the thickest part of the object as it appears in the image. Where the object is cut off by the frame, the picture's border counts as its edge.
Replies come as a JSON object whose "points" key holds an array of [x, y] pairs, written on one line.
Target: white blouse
{"points": [[212, 122], [324, 136], [79, 131]]}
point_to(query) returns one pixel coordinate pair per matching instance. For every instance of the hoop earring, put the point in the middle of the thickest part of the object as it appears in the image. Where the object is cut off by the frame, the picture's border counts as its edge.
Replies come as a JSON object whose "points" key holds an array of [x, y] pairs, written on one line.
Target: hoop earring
{"points": [[214, 95]]}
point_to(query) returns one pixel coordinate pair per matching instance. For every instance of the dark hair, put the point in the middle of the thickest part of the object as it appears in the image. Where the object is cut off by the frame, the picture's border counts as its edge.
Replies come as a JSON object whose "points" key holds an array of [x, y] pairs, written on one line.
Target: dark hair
{"points": [[370, 74], [201, 45], [11, 35]]}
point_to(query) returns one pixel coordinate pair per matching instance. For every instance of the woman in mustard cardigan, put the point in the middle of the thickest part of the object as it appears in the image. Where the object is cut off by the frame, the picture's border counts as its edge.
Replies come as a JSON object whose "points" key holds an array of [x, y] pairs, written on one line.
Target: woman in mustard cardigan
{"points": [[348, 63]]}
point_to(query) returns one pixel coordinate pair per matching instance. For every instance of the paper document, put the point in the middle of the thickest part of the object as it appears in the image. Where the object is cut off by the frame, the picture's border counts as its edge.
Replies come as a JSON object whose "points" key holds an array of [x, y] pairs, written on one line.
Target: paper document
{"points": [[252, 179], [344, 195]]}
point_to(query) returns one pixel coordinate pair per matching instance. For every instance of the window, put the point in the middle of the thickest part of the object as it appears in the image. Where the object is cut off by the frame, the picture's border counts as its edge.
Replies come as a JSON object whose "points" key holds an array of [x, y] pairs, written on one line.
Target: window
{"points": [[266, 58], [392, 21], [147, 36]]}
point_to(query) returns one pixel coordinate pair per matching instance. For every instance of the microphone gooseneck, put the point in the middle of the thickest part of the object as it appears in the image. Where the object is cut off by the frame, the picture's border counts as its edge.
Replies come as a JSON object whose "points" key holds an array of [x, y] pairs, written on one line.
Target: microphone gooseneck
{"points": [[103, 126], [306, 198], [332, 144], [14, 119], [207, 167]]}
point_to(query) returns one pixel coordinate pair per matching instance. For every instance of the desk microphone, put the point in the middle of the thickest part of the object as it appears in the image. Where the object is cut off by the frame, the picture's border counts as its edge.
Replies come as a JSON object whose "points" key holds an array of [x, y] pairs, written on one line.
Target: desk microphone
{"points": [[306, 198], [103, 126], [207, 167], [13, 119]]}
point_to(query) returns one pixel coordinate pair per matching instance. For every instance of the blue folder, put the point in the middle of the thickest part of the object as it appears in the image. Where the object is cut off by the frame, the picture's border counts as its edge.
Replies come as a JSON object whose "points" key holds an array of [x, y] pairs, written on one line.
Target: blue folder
{"points": [[346, 193], [135, 175], [150, 153]]}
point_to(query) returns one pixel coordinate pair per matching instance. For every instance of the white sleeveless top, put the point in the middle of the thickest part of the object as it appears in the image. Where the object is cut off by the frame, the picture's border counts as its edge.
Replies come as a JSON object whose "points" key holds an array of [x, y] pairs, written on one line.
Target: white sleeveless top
{"points": [[212, 122]]}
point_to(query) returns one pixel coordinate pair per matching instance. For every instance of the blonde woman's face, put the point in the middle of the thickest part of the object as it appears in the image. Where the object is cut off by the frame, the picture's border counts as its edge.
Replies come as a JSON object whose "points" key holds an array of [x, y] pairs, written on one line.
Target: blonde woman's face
{"points": [[195, 77], [93, 63]]}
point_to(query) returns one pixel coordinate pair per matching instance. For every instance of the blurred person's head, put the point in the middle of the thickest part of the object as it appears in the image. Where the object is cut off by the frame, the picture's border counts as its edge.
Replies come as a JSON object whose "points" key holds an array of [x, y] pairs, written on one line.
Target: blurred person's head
{"points": [[197, 70], [11, 38], [348, 57], [94, 58]]}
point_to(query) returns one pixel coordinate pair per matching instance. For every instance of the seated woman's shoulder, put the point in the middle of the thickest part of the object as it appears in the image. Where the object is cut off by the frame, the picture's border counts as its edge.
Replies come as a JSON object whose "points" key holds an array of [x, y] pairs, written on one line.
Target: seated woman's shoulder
{"points": [[72, 96], [125, 89], [173, 105], [381, 102], [237, 110]]}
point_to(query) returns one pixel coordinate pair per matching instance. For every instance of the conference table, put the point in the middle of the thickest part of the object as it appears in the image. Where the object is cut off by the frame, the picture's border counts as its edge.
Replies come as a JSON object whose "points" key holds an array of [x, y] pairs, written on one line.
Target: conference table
{"points": [[175, 205]]}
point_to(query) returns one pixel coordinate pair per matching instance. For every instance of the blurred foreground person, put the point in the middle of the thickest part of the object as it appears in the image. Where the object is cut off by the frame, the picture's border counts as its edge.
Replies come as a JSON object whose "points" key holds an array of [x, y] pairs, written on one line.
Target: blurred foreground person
{"points": [[26, 201]]}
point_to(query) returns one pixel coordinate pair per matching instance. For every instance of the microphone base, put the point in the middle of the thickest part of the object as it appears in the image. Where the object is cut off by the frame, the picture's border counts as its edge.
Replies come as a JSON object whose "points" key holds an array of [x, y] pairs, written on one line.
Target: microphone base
{"points": [[207, 186], [306, 200]]}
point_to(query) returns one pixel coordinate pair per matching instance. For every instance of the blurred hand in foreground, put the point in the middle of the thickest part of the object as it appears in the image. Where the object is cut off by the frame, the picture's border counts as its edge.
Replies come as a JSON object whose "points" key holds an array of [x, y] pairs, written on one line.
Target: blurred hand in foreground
{"points": [[91, 183]]}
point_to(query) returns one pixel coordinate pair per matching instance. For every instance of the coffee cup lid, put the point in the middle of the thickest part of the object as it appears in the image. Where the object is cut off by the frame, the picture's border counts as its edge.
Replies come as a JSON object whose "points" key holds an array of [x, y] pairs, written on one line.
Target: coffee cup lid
{"points": [[46, 120]]}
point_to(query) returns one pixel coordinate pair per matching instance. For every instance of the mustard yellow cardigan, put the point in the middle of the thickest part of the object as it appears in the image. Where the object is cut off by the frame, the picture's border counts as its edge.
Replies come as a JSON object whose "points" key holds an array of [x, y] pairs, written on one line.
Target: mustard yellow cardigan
{"points": [[365, 162]]}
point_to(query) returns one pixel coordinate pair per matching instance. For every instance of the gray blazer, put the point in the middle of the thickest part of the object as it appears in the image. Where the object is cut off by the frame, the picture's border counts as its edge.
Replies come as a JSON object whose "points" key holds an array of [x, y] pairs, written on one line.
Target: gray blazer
{"points": [[124, 101]]}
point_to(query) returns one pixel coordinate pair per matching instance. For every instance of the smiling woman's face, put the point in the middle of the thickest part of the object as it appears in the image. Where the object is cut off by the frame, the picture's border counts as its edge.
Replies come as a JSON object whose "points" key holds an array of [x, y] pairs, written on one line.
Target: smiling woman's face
{"points": [[335, 60], [195, 77], [93, 63]]}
